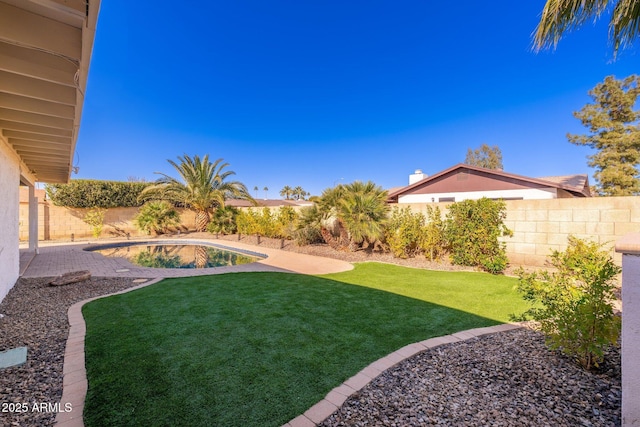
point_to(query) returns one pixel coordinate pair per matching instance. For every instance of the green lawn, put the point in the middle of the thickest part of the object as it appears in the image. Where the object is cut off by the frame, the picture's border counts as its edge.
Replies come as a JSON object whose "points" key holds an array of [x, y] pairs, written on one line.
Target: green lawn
{"points": [[257, 349]]}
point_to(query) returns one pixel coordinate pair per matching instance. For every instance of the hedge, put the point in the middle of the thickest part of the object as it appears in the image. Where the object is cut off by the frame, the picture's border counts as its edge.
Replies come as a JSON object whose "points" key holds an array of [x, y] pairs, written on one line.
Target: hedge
{"points": [[90, 193]]}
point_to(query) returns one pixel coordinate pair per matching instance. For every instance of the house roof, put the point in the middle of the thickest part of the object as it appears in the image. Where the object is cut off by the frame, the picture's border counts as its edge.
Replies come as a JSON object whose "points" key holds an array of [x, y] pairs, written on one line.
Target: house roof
{"points": [[45, 49], [267, 203], [578, 185]]}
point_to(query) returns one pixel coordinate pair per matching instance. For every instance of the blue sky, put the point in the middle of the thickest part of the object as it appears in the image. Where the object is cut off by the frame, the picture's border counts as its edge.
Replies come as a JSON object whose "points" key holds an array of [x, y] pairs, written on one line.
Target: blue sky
{"points": [[313, 93]]}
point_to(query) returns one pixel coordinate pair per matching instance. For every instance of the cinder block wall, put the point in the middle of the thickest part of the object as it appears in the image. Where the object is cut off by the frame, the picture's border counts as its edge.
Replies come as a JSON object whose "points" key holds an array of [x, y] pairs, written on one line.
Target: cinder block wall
{"points": [[541, 226], [59, 223]]}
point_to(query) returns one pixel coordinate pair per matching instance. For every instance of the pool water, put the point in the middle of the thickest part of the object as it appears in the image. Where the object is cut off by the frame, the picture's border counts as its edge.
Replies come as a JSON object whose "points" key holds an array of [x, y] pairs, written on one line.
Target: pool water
{"points": [[176, 255]]}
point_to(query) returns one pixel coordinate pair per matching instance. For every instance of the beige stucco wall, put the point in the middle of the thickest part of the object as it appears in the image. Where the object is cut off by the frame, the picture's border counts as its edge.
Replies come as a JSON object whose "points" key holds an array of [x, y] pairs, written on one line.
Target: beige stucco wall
{"points": [[541, 226], [9, 249]]}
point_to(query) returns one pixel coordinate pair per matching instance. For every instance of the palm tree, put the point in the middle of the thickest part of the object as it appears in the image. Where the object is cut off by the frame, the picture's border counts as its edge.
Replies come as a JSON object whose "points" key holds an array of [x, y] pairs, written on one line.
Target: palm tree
{"points": [[363, 210], [353, 214], [265, 192], [202, 186], [299, 193], [560, 16], [286, 192], [255, 188]]}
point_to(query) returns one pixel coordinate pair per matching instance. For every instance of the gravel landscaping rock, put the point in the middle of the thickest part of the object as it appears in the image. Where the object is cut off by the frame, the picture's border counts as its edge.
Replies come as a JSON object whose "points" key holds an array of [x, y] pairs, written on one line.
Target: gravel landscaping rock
{"points": [[504, 379], [35, 316]]}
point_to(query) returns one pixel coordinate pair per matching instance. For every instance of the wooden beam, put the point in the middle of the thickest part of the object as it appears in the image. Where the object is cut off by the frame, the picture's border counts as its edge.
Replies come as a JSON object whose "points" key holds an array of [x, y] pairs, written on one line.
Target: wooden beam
{"points": [[48, 160], [31, 105], [29, 29], [30, 137], [21, 147], [36, 119], [31, 128], [38, 89], [40, 65]]}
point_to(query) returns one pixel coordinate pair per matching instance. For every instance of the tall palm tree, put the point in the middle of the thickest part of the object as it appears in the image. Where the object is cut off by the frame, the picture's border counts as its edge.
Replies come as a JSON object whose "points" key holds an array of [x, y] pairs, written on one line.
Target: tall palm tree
{"points": [[286, 192], [559, 16], [299, 193], [202, 187]]}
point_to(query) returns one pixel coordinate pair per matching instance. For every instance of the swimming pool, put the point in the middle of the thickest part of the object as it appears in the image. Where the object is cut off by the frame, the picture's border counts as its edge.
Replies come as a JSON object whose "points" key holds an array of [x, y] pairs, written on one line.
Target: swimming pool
{"points": [[162, 254]]}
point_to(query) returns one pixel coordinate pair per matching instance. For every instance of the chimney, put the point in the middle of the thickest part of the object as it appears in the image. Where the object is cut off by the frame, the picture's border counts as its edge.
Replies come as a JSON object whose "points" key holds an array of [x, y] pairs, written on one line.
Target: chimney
{"points": [[417, 176]]}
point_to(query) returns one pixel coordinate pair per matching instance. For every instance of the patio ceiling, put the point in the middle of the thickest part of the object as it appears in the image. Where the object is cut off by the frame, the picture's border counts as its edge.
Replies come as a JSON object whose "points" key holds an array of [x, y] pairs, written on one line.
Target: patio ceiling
{"points": [[45, 49]]}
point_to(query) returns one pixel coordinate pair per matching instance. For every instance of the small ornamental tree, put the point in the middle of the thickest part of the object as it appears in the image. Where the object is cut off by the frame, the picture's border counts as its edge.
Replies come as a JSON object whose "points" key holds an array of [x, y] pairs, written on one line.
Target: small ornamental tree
{"points": [[434, 243], [573, 304], [95, 218], [472, 231], [404, 232]]}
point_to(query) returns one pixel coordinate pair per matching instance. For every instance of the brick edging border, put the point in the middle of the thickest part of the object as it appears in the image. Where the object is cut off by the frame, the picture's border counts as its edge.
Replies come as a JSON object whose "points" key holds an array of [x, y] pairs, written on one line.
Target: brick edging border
{"points": [[336, 397], [74, 375], [75, 383]]}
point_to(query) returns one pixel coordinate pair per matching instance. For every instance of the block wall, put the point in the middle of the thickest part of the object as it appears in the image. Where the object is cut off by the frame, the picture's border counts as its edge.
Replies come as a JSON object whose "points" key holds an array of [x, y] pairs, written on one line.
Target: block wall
{"points": [[541, 226], [59, 223]]}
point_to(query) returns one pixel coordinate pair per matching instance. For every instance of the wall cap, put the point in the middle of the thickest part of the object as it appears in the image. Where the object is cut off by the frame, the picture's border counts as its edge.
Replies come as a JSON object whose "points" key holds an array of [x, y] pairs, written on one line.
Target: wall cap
{"points": [[629, 244]]}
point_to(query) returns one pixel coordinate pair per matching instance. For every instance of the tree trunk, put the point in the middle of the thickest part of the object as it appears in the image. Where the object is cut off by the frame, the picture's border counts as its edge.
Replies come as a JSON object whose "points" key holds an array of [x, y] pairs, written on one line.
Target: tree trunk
{"points": [[329, 239], [202, 220]]}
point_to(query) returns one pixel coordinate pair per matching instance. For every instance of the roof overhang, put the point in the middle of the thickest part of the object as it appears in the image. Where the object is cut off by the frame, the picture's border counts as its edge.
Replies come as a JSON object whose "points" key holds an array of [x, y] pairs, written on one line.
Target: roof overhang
{"points": [[45, 50]]}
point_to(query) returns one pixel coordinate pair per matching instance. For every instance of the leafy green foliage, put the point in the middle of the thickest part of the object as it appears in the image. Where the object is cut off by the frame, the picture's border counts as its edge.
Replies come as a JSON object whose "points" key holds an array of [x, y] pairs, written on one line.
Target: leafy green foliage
{"points": [[278, 224], [157, 217], [472, 231], [308, 226], [223, 220], [614, 127], [405, 232], [434, 243], [95, 218], [573, 304], [88, 193], [485, 157]]}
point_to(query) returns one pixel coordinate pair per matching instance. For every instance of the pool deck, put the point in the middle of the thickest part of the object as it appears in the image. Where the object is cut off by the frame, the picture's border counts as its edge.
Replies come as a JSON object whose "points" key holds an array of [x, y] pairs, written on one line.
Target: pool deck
{"points": [[59, 258]]}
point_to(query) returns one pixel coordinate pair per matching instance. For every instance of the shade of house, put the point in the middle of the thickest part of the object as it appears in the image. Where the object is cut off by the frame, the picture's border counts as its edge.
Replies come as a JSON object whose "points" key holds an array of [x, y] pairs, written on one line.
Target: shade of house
{"points": [[462, 182], [45, 50]]}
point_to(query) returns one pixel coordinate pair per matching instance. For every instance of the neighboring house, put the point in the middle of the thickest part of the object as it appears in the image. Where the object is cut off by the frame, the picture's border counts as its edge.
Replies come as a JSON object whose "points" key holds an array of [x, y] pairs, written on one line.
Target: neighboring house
{"points": [[462, 182], [45, 49]]}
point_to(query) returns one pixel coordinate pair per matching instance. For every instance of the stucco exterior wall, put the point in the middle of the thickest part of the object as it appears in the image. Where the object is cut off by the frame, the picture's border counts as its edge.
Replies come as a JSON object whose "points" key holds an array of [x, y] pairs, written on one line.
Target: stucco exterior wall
{"points": [[525, 194], [9, 249], [541, 226]]}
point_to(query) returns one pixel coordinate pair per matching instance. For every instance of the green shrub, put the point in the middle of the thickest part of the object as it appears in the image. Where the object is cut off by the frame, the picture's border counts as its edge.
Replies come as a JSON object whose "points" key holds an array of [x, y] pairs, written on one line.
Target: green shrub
{"points": [[405, 232], [308, 226], [472, 231], [267, 223], [573, 304], [95, 218], [223, 220], [248, 221], [85, 193], [157, 217], [286, 221], [434, 242]]}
